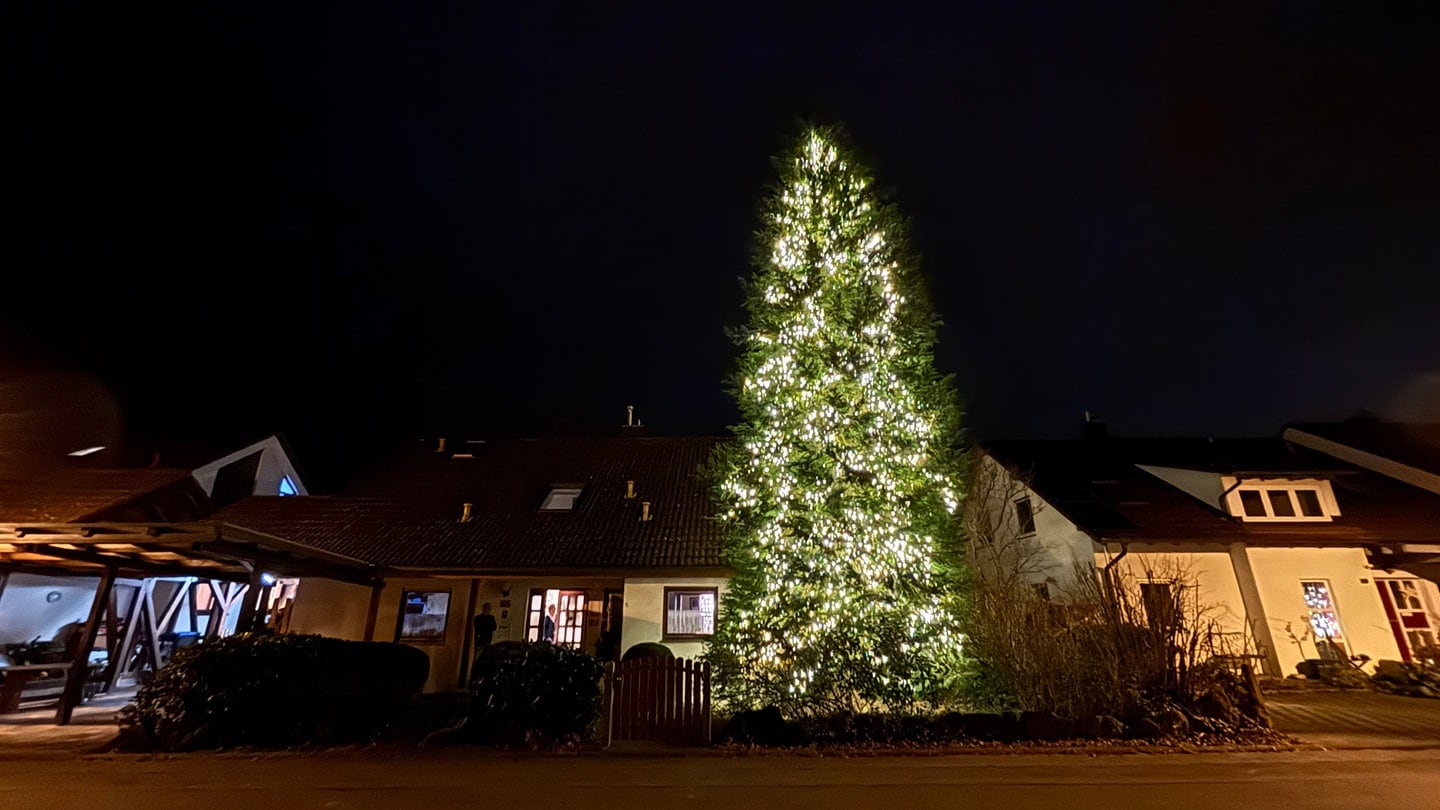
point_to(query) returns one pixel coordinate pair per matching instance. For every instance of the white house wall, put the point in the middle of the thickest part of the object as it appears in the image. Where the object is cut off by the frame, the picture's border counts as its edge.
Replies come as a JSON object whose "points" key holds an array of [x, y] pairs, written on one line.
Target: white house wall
{"points": [[1063, 546], [645, 612], [339, 610], [24, 613], [1278, 572], [1218, 599], [1060, 547], [329, 608]]}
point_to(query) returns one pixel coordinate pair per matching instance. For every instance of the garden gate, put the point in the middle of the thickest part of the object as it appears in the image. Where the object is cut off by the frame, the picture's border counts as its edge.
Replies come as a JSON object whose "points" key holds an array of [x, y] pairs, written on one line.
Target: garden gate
{"points": [[662, 699]]}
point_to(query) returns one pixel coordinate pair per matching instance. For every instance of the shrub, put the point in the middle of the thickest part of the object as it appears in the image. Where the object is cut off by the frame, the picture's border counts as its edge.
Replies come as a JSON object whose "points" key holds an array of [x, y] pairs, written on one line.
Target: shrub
{"points": [[1105, 648], [273, 692], [534, 693], [648, 649]]}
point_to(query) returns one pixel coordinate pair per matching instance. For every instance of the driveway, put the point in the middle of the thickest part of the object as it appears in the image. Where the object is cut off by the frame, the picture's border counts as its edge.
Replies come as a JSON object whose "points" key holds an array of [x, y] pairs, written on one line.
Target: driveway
{"points": [[1357, 719]]}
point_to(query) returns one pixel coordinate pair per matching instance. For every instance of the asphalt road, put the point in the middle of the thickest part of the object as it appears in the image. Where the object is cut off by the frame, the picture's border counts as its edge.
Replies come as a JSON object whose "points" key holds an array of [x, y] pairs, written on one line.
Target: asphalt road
{"points": [[1312, 779]]}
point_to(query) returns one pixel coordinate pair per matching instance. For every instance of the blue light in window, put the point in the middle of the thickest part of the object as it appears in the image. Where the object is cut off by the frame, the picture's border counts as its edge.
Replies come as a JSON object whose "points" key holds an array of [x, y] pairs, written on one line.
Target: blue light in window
{"points": [[287, 487]]}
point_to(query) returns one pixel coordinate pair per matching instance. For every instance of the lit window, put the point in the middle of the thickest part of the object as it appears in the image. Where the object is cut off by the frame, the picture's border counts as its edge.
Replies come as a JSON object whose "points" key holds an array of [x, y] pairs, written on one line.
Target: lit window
{"points": [[422, 617], [689, 613], [557, 617], [1025, 516], [560, 499], [1284, 501], [1324, 619], [287, 487]]}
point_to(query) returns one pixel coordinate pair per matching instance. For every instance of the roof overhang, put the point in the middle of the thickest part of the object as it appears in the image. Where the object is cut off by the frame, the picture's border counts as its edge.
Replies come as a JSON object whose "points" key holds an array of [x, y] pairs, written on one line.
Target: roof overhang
{"points": [[561, 572], [201, 549]]}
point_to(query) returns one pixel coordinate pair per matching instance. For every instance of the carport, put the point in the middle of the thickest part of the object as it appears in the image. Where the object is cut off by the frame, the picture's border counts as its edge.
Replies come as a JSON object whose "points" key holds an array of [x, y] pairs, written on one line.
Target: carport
{"points": [[240, 566]]}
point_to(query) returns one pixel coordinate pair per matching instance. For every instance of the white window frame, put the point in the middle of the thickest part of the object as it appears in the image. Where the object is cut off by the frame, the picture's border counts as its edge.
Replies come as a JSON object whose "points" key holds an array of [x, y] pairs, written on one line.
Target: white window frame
{"points": [[687, 591], [561, 499], [1329, 508]]}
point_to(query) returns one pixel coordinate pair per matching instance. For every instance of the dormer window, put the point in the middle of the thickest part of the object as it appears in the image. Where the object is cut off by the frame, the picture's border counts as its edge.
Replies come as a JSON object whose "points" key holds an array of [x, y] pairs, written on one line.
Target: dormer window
{"points": [[1283, 501], [560, 499]]}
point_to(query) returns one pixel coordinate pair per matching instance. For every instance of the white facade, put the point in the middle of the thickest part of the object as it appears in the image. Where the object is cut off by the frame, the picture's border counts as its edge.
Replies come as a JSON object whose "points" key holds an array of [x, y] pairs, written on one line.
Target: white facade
{"points": [[336, 609], [1255, 594]]}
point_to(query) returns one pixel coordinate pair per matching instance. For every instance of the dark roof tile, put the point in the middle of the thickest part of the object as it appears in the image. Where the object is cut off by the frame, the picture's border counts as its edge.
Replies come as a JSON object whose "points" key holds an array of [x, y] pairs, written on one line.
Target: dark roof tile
{"points": [[409, 516]]}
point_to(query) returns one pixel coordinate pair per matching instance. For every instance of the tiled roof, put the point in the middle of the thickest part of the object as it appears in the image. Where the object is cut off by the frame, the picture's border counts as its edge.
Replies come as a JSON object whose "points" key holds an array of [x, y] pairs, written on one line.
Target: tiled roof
{"points": [[409, 516], [73, 495], [1097, 485]]}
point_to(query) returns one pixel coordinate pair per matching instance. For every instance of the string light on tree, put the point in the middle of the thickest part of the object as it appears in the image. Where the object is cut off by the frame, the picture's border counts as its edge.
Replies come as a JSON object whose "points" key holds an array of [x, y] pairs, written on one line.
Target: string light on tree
{"points": [[842, 488]]}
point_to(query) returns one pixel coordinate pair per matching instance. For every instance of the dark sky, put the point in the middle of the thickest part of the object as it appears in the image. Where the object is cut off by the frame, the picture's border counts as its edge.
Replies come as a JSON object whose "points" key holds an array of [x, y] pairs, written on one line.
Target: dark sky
{"points": [[370, 220]]}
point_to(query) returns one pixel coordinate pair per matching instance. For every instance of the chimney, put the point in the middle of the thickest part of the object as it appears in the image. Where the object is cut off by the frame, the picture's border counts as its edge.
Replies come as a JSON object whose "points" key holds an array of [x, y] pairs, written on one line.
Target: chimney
{"points": [[465, 512], [629, 490], [632, 426], [1094, 429], [644, 511], [441, 448]]}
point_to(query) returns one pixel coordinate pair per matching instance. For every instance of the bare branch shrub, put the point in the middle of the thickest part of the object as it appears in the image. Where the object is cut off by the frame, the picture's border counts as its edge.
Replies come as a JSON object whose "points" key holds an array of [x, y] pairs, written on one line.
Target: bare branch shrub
{"points": [[1104, 643]]}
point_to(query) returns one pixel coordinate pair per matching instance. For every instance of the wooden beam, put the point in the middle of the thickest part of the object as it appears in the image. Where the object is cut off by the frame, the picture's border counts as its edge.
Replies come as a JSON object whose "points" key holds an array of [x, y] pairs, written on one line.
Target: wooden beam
{"points": [[80, 667], [467, 645], [127, 641], [246, 621], [152, 631]]}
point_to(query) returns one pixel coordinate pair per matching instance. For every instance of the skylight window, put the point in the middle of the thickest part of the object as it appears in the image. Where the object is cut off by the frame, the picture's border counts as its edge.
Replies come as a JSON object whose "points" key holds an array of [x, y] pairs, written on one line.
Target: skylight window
{"points": [[560, 499], [287, 487]]}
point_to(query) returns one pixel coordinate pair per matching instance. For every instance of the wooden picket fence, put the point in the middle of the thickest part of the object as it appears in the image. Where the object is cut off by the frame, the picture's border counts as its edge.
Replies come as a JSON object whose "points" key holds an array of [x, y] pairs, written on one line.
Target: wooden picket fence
{"points": [[665, 700]]}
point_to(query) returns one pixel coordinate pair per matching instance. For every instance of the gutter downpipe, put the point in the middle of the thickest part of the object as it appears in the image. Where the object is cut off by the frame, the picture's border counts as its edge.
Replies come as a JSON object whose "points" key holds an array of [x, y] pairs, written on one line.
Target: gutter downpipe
{"points": [[1110, 582]]}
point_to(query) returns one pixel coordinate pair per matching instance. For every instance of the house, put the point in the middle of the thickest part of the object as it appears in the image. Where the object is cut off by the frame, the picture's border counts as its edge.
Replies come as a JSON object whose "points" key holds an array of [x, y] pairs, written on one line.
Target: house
{"points": [[1403, 451], [117, 566], [611, 539], [1289, 548]]}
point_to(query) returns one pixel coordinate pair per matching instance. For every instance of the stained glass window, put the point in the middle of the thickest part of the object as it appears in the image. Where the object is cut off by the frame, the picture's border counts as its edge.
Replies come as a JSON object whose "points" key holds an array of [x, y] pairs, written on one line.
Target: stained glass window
{"points": [[1324, 619]]}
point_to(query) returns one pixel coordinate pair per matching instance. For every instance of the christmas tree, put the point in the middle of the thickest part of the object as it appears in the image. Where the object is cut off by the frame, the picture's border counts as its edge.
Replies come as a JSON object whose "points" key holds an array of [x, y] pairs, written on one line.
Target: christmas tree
{"points": [[841, 490]]}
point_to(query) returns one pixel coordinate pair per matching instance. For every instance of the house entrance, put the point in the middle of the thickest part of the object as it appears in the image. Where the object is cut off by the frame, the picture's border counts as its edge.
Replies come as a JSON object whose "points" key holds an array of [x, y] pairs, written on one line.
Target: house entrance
{"points": [[557, 616], [1411, 618]]}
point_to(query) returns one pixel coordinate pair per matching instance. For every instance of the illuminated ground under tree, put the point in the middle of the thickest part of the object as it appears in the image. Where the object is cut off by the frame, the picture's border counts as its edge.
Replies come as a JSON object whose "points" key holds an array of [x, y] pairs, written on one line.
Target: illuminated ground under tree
{"points": [[840, 493]]}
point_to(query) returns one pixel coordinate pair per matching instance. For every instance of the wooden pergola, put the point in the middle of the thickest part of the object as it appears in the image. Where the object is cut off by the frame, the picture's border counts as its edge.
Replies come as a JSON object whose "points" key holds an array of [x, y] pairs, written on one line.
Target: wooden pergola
{"points": [[227, 556]]}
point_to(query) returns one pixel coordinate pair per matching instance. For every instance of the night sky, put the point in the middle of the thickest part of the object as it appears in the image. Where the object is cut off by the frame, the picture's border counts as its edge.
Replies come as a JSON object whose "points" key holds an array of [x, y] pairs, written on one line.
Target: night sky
{"points": [[357, 222]]}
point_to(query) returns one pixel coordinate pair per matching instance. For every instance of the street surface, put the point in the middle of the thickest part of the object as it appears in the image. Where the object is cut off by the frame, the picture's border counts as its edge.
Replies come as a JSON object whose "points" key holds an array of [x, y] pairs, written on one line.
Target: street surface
{"points": [[469, 778]]}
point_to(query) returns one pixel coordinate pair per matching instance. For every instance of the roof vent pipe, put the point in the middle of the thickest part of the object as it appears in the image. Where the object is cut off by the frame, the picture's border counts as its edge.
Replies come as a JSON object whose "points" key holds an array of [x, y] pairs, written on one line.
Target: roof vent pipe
{"points": [[441, 448], [644, 511], [465, 510], [629, 490], [629, 416]]}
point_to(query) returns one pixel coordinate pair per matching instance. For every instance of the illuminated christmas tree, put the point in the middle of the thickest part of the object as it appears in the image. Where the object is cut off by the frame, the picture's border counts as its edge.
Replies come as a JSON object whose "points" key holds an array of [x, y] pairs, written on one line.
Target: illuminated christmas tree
{"points": [[841, 490]]}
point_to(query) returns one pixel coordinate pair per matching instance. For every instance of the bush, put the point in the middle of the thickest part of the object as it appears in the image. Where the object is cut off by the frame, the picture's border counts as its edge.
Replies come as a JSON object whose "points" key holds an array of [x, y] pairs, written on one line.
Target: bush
{"points": [[273, 692], [648, 649], [536, 693]]}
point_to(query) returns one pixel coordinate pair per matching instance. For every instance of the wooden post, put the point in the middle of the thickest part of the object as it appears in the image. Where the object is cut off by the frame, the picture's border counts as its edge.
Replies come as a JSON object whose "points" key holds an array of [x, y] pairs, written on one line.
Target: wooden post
{"points": [[1252, 683], [609, 703], [248, 607], [376, 591], [467, 644], [134, 615], [80, 668]]}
